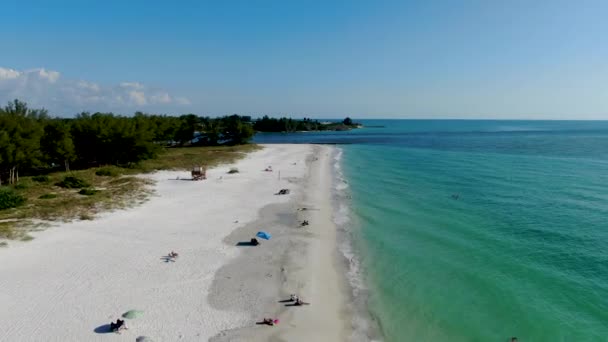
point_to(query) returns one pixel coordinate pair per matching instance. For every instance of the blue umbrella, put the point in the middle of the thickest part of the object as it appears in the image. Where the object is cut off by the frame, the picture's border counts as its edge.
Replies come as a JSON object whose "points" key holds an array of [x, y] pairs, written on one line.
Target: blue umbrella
{"points": [[263, 235]]}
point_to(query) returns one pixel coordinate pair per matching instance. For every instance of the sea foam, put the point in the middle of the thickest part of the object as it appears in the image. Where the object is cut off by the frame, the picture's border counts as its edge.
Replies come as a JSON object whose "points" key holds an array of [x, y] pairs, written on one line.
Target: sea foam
{"points": [[362, 322]]}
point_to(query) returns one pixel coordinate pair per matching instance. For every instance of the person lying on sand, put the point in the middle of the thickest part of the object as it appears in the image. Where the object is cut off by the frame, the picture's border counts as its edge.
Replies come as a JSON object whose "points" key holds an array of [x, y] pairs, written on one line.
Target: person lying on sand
{"points": [[299, 302], [305, 223], [118, 326], [270, 321], [268, 169], [173, 255]]}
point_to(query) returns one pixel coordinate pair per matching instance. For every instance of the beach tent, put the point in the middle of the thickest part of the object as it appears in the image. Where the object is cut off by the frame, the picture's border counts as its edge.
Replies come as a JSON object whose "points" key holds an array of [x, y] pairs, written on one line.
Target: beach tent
{"points": [[132, 314], [263, 235]]}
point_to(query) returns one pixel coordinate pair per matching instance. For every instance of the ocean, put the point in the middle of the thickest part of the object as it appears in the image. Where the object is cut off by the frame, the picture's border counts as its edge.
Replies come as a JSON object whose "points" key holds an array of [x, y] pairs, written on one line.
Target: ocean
{"points": [[467, 230]]}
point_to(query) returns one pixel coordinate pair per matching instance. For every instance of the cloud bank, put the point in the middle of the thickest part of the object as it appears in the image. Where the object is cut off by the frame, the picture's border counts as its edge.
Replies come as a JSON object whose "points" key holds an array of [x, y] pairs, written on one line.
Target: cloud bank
{"points": [[46, 88]]}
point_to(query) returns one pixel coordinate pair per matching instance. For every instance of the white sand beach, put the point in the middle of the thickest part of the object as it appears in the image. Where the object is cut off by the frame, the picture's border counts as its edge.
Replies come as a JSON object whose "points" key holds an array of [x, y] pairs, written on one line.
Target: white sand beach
{"points": [[74, 278]]}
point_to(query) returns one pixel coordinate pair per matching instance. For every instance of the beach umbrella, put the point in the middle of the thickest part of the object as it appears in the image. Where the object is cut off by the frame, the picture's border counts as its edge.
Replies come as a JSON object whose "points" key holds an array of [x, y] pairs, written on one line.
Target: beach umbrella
{"points": [[263, 235], [132, 314], [143, 339]]}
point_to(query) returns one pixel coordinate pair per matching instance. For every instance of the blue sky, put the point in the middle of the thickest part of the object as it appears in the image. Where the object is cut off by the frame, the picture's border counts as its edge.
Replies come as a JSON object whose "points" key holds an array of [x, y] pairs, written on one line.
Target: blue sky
{"points": [[384, 59]]}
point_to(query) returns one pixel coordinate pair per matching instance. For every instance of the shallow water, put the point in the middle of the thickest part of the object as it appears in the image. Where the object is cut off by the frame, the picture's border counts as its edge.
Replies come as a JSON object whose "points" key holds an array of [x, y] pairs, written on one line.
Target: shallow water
{"points": [[480, 230]]}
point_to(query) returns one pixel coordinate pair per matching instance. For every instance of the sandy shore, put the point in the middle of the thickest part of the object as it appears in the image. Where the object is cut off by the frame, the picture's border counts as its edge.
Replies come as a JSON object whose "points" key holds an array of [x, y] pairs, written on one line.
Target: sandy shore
{"points": [[68, 283]]}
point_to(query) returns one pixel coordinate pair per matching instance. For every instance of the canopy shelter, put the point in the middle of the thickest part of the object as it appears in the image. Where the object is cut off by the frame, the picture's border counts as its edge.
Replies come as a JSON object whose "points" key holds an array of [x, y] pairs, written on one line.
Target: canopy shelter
{"points": [[263, 235], [132, 314], [199, 172]]}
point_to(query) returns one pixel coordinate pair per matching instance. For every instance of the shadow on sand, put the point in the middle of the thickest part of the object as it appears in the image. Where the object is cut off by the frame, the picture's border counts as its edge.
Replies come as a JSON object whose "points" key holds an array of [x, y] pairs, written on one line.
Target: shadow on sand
{"points": [[262, 323], [246, 243], [294, 304], [167, 258], [103, 329]]}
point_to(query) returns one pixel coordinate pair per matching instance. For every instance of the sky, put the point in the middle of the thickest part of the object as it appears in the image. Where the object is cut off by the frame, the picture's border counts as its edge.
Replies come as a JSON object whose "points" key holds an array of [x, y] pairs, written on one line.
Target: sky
{"points": [[320, 59]]}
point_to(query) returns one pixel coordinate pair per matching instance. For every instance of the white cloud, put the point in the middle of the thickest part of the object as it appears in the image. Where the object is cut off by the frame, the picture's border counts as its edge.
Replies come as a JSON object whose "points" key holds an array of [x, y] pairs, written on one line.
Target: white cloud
{"points": [[7, 74], [182, 101], [45, 88], [138, 97], [161, 97], [47, 75], [88, 86], [134, 85]]}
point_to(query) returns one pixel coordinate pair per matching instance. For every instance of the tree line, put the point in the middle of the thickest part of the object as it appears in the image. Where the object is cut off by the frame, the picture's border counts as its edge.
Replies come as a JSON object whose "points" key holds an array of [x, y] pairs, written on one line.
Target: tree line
{"points": [[31, 140], [267, 124]]}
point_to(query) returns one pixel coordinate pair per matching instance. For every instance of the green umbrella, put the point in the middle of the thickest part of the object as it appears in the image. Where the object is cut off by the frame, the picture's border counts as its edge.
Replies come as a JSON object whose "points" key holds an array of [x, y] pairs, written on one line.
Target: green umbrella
{"points": [[132, 314]]}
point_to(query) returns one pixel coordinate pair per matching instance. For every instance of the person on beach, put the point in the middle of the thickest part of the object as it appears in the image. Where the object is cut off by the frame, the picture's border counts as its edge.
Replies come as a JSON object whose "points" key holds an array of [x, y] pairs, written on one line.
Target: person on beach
{"points": [[118, 326], [293, 297], [299, 302], [173, 255], [268, 169], [270, 321]]}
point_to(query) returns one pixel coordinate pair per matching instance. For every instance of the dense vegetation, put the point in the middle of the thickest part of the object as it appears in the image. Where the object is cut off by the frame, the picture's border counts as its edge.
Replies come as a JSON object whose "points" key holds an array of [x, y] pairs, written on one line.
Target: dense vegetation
{"points": [[34, 142], [10, 199]]}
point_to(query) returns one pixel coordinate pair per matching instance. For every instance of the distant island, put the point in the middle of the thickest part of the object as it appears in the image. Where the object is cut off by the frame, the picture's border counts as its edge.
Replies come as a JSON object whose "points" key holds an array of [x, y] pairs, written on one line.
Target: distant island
{"points": [[289, 125]]}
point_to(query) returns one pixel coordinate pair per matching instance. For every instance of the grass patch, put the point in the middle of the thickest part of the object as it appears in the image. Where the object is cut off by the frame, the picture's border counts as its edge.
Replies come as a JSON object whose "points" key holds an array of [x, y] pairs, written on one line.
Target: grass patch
{"points": [[46, 200], [88, 192], [184, 158], [120, 181], [27, 238], [71, 182], [3, 244], [9, 231], [110, 171], [41, 179], [21, 186], [6, 230], [86, 217], [10, 199]]}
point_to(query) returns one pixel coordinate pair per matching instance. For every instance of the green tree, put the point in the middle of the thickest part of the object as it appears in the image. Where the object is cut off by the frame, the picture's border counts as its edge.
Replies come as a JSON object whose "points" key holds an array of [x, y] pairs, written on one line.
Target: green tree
{"points": [[56, 144], [236, 131], [23, 128], [189, 124], [212, 131], [348, 121]]}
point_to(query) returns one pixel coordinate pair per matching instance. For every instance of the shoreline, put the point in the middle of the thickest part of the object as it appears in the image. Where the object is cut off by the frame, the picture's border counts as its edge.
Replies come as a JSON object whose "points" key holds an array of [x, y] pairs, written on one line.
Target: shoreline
{"points": [[93, 271], [302, 260], [365, 324]]}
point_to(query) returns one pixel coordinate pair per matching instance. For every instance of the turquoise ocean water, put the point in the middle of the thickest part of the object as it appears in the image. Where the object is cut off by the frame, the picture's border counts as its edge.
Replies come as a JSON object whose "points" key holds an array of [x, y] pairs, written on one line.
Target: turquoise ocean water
{"points": [[479, 230]]}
